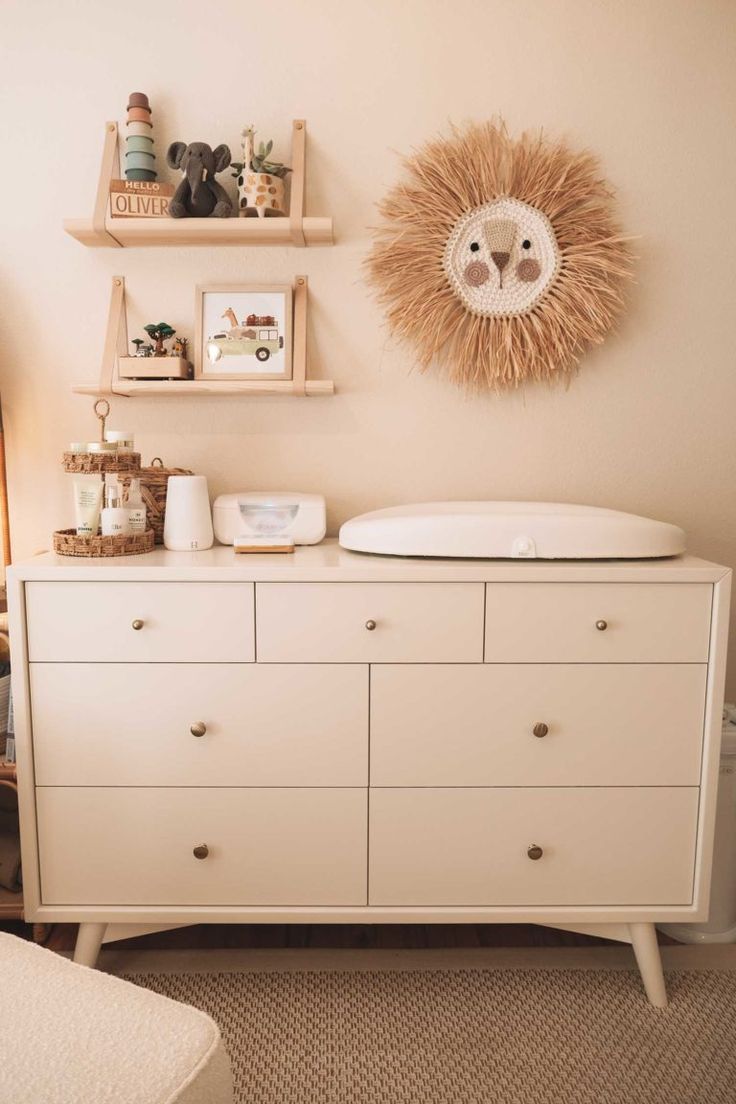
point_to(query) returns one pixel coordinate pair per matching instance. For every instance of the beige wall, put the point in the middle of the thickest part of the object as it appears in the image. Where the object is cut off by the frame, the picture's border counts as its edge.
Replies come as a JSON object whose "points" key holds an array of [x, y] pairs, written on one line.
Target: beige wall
{"points": [[650, 424]]}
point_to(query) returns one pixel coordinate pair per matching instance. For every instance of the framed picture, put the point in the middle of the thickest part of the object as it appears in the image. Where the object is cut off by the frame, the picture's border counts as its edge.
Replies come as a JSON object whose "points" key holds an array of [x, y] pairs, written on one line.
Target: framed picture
{"points": [[243, 332]]}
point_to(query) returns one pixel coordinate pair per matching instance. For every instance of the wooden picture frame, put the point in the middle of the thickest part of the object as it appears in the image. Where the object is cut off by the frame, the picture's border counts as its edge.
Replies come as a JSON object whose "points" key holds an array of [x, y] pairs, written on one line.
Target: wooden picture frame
{"points": [[249, 325]]}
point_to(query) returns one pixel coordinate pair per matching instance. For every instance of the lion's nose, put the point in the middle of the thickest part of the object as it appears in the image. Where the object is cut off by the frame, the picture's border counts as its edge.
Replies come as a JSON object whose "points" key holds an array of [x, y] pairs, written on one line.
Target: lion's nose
{"points": [[500, 260], [499, 235]]}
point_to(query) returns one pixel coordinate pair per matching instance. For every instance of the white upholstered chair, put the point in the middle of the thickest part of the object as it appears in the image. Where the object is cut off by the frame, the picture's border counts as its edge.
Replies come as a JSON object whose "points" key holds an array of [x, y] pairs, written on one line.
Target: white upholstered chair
{"points": [[71, 1035]]}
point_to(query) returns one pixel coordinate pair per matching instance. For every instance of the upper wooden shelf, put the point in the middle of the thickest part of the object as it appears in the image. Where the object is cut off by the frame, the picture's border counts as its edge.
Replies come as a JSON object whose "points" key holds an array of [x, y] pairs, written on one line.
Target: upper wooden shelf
{"points": [[133, 232], [103, 231]]}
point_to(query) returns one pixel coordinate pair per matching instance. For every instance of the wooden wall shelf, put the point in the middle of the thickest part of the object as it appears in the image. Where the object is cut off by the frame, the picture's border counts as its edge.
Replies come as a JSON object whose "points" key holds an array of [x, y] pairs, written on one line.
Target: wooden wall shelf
{"points": [[136, 388], [103, 231], [133, 233], [116, 344]]}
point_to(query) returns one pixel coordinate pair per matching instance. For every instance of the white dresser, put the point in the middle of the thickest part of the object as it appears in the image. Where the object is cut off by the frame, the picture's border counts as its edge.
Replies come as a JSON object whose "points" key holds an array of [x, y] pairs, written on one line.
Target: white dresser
{"points": [[340, 738]]}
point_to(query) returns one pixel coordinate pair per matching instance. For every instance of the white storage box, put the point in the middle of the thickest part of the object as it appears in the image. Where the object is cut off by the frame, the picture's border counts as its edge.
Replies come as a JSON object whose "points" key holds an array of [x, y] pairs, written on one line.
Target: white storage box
{"points": [[511, 530], [307, 527]]}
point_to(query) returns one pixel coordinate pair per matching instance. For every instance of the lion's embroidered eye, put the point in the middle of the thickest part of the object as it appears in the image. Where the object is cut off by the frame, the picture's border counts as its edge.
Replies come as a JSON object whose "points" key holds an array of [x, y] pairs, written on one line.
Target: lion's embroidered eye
{"points": [[526, 244], [474, 247]]}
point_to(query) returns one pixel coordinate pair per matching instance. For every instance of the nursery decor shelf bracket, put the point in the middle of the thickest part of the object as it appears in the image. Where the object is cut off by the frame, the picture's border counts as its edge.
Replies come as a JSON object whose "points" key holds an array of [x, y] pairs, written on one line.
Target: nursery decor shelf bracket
{"points": [[102, 231], [116, 344]]}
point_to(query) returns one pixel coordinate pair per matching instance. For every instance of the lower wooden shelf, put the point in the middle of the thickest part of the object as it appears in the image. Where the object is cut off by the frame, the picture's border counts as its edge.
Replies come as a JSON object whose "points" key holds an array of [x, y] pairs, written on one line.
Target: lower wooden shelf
{"points": [[116, 345], [131, 388]]}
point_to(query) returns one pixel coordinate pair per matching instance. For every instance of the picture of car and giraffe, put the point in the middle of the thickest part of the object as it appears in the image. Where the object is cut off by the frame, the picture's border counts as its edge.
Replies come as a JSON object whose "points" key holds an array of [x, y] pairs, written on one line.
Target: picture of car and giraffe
{"points": [[257, 335], [245, 332]]}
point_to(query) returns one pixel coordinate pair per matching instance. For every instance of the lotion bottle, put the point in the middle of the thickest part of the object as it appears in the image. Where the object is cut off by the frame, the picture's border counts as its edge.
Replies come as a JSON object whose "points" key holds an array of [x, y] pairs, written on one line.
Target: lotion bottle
{"points": [[114, 517], [136, 508]]}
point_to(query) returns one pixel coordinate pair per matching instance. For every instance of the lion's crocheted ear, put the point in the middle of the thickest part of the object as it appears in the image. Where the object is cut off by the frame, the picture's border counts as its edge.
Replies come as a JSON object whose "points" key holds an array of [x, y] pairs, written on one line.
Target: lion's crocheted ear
{"points": [[500, 257]]}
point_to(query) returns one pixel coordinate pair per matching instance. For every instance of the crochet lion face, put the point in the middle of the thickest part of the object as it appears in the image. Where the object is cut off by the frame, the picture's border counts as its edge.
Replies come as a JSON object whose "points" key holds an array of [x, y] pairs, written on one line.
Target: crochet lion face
{"points": [[500, 258]]}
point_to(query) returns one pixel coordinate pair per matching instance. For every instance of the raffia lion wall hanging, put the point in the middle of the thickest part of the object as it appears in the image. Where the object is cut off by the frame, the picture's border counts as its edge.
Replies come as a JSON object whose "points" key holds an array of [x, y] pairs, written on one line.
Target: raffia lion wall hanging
{"points": [[500, 258]]}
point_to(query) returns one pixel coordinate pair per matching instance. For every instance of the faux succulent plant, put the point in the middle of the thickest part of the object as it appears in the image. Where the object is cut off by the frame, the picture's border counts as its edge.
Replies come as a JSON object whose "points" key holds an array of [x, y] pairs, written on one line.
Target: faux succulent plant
{"points": [[258, 161]]}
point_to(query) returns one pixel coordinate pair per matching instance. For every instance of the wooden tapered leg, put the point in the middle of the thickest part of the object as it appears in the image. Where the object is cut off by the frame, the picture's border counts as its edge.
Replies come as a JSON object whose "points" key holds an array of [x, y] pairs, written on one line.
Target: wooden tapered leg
{"points": [[89, 941], [646, 949]]}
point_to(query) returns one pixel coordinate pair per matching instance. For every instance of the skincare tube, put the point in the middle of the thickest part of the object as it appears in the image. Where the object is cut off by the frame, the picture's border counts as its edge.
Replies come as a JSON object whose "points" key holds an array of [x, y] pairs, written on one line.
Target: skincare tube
{"points": [[87, 503]]}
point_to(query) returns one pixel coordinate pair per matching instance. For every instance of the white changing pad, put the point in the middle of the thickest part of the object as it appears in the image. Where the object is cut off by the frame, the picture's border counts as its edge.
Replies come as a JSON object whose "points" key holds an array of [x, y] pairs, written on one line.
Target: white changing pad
{"points": [[511, 530]]}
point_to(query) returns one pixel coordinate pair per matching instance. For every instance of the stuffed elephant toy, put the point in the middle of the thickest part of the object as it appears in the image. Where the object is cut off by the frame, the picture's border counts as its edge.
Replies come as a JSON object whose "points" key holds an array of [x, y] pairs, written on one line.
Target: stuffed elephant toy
{"points": [[199, 195]]}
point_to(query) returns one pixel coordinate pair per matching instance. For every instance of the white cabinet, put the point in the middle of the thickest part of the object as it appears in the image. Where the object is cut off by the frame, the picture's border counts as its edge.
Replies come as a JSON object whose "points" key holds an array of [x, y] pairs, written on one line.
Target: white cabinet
{"points": [[337, 737], [140, 622], [599, 846], [598, 623], [537, 724], [192, 724], [173, 846], [370, 622]]}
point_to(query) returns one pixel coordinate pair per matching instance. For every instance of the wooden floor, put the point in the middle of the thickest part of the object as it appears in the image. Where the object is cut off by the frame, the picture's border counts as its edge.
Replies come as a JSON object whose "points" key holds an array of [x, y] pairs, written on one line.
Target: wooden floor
{"points": [[342, 936]]}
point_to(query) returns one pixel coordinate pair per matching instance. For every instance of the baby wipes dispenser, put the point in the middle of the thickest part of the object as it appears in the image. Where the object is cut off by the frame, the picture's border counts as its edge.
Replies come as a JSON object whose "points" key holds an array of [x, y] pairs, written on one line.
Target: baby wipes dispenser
{"points": [[236, 516]]}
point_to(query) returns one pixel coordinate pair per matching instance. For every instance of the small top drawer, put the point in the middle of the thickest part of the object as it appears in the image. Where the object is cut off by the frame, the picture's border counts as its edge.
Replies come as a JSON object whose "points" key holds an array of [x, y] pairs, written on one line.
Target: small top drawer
{"points": [[140, 622], [369, 622], [597, 622]]}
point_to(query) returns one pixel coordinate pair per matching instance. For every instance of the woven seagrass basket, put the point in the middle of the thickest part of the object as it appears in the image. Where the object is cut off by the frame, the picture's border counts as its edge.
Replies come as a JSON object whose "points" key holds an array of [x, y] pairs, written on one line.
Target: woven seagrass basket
{"points": [[68, 543], [154, 482], [93, 463]]}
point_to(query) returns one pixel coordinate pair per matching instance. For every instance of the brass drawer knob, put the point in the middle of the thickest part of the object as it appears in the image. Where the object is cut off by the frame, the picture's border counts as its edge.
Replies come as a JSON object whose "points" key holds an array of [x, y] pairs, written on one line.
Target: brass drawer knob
{"points": [[540, 730], [201, 852], [137, 624], [601, 625], [535, 852], [198, 728], [370, 625]]}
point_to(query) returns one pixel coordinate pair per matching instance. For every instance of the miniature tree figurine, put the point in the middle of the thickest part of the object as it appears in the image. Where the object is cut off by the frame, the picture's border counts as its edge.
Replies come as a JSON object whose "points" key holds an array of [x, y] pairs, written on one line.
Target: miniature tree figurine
{"points": [[137, 341], [159, 332]]}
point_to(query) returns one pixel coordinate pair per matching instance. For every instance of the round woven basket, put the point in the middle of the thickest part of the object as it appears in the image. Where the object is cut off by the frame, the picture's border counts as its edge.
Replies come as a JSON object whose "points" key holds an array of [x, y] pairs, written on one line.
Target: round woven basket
{"points": [[92, 463], [68, 543], [154, 481]]}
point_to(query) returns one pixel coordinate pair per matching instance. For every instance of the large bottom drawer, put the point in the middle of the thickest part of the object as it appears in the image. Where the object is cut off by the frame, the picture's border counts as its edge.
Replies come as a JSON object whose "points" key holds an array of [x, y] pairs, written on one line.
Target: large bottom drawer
{"points": [[600, 846], [103, 846]]}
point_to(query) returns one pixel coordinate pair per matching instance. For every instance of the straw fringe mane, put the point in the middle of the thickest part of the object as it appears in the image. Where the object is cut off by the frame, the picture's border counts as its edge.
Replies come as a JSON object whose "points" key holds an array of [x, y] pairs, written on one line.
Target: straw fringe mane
{"points": [[447, 178]]}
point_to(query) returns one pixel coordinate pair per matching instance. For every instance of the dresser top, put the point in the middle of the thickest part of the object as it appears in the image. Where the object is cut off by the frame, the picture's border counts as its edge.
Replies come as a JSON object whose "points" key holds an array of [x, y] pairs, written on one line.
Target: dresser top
{"points": [[327, 562]]}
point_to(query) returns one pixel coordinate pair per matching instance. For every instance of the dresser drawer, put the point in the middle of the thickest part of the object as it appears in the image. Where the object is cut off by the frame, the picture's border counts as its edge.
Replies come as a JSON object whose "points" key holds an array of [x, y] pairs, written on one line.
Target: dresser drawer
{"points": [[370, 622], [597, 622], [140, 622], [474, 725], [469, 846], [130, 724], [265, 847]]}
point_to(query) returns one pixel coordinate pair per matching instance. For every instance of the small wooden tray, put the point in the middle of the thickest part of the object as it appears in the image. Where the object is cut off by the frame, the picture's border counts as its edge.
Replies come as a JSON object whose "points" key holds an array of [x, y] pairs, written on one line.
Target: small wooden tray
{"points": [[68, 543], [154, 368], [94, 463]]}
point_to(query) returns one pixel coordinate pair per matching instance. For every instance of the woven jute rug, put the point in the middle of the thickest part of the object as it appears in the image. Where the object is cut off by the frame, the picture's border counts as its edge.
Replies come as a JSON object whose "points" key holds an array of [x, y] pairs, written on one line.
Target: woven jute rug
{"points": [[469, 1036]]}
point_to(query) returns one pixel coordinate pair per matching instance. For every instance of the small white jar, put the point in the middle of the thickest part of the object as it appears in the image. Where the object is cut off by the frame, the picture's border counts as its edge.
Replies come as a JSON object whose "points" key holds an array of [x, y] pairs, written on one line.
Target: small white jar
{"points": [[123, 439]]}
